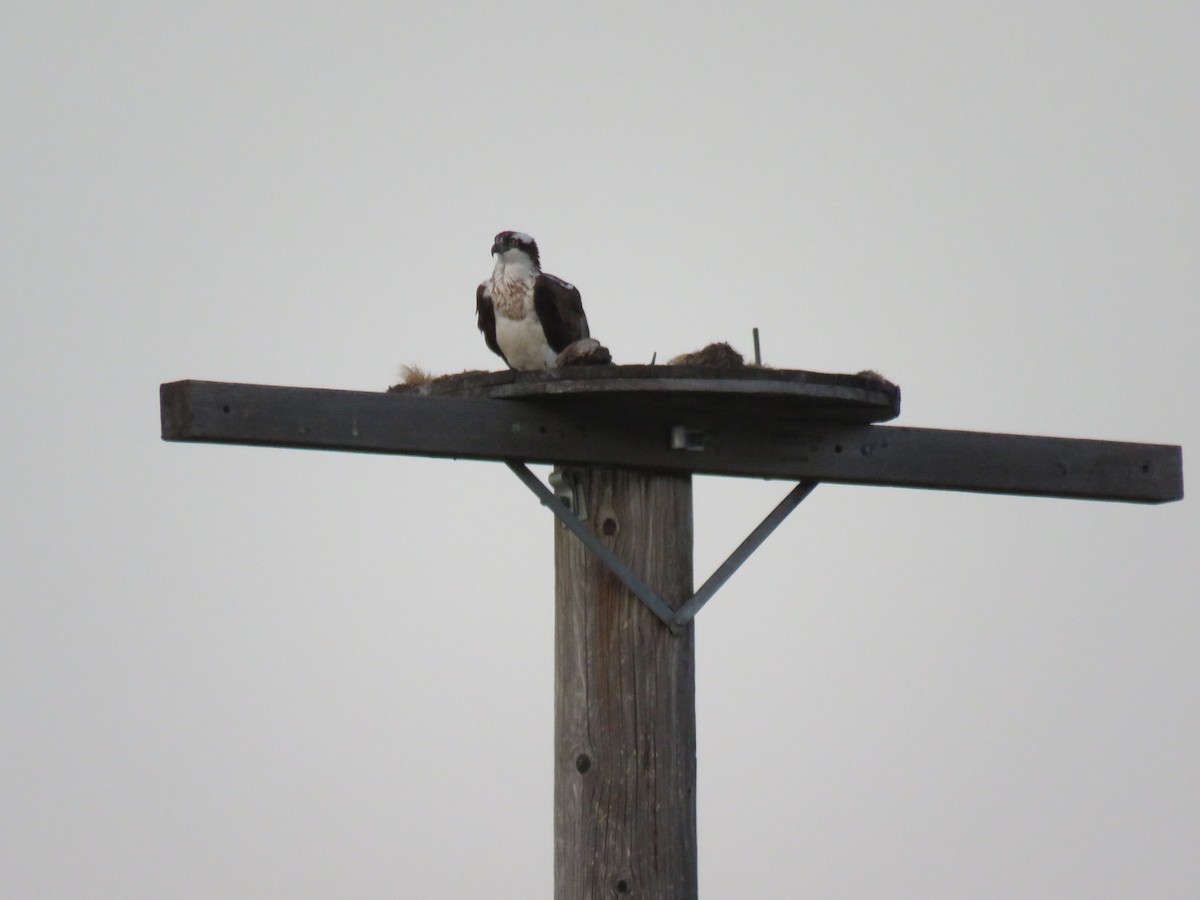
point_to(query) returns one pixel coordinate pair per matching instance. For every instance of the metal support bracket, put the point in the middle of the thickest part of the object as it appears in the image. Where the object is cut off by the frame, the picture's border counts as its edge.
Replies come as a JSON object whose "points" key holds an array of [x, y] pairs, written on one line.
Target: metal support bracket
{"points": [[566, 489], [566, 498]]}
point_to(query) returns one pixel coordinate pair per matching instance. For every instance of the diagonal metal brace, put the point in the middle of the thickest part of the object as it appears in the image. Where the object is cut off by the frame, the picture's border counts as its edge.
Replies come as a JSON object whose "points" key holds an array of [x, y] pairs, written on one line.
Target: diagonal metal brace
{"points": [[745, 549], [673, 619], [656, 604]]}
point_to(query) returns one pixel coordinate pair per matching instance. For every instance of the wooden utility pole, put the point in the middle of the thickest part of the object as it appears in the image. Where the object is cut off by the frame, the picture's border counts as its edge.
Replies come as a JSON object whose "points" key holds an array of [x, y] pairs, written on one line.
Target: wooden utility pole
{"points": [[625, 695], [633, 437]]}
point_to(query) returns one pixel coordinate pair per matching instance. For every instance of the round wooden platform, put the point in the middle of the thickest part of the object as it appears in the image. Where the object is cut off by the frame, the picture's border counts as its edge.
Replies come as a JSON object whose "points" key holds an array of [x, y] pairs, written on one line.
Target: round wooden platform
{"points": [[746, 390]]}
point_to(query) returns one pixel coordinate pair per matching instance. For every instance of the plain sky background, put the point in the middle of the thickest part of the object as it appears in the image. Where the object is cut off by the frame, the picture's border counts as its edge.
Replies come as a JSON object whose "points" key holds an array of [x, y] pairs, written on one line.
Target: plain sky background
{"points": [[243, 673]]}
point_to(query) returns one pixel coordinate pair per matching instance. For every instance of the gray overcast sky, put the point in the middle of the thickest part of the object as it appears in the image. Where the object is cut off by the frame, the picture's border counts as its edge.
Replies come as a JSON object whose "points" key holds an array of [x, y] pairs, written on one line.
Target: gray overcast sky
{"points": [[243, 673]]}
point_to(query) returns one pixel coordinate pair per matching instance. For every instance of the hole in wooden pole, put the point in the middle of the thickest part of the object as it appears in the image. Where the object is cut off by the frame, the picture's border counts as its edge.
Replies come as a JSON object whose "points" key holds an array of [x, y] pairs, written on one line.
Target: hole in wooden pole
{"points": [[583, 762], [609, 527], [622, 886]]}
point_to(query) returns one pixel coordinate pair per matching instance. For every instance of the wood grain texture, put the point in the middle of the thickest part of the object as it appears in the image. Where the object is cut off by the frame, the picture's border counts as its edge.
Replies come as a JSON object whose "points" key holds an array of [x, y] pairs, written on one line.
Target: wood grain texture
{"points": [[728, 441], [625, 721]]}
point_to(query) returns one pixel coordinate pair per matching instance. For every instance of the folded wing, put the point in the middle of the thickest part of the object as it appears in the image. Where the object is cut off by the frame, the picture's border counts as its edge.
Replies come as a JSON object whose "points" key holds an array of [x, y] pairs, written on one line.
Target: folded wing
{"points": [[560, 310]]}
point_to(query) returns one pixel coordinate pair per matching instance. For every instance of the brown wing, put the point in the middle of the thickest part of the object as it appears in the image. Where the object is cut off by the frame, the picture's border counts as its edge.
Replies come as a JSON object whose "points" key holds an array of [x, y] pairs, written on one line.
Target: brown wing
{"points": [[560, 309], [485, 319]]}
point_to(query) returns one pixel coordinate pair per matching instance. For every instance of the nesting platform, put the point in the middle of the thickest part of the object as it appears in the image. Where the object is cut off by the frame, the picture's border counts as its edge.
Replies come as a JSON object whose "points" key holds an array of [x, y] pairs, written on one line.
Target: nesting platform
{"points": [[747, 390]]}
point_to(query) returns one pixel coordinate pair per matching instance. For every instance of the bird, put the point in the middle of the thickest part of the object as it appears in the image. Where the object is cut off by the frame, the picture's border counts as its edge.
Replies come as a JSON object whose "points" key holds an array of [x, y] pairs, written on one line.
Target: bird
{"points": [[529, 317]]}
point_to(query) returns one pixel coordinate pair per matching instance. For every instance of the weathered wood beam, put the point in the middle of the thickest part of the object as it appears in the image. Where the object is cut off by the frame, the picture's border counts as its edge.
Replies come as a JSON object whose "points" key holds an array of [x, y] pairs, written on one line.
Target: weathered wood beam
{"points": [[720, 442]]}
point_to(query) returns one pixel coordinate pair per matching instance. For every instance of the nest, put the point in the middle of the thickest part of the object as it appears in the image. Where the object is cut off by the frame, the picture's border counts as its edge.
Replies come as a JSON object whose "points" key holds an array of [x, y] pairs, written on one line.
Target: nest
{"points": [[718, 355]]}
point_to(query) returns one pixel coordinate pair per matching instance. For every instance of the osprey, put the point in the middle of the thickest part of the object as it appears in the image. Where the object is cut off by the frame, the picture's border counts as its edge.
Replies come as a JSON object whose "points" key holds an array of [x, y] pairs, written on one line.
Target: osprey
{"points": [[527, 316]]}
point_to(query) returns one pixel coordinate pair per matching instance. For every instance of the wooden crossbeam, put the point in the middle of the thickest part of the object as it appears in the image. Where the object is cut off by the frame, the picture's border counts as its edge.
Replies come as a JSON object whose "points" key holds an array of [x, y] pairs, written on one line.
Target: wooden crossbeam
{"points": [[717, 442]]}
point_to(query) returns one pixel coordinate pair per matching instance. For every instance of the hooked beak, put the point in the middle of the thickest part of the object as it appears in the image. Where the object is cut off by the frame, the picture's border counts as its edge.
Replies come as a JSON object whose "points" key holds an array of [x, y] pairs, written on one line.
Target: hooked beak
{"points": [[497, 248]]}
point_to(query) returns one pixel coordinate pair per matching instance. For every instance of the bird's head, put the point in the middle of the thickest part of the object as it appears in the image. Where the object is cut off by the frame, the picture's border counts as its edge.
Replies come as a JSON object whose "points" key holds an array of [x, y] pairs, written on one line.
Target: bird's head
{"points": [[514, 246]]}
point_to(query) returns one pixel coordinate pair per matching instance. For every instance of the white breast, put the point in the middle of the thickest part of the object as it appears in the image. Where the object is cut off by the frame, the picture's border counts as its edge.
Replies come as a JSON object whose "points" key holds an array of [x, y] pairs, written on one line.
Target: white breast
{"points": [[518, 331], [523, 342]]}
